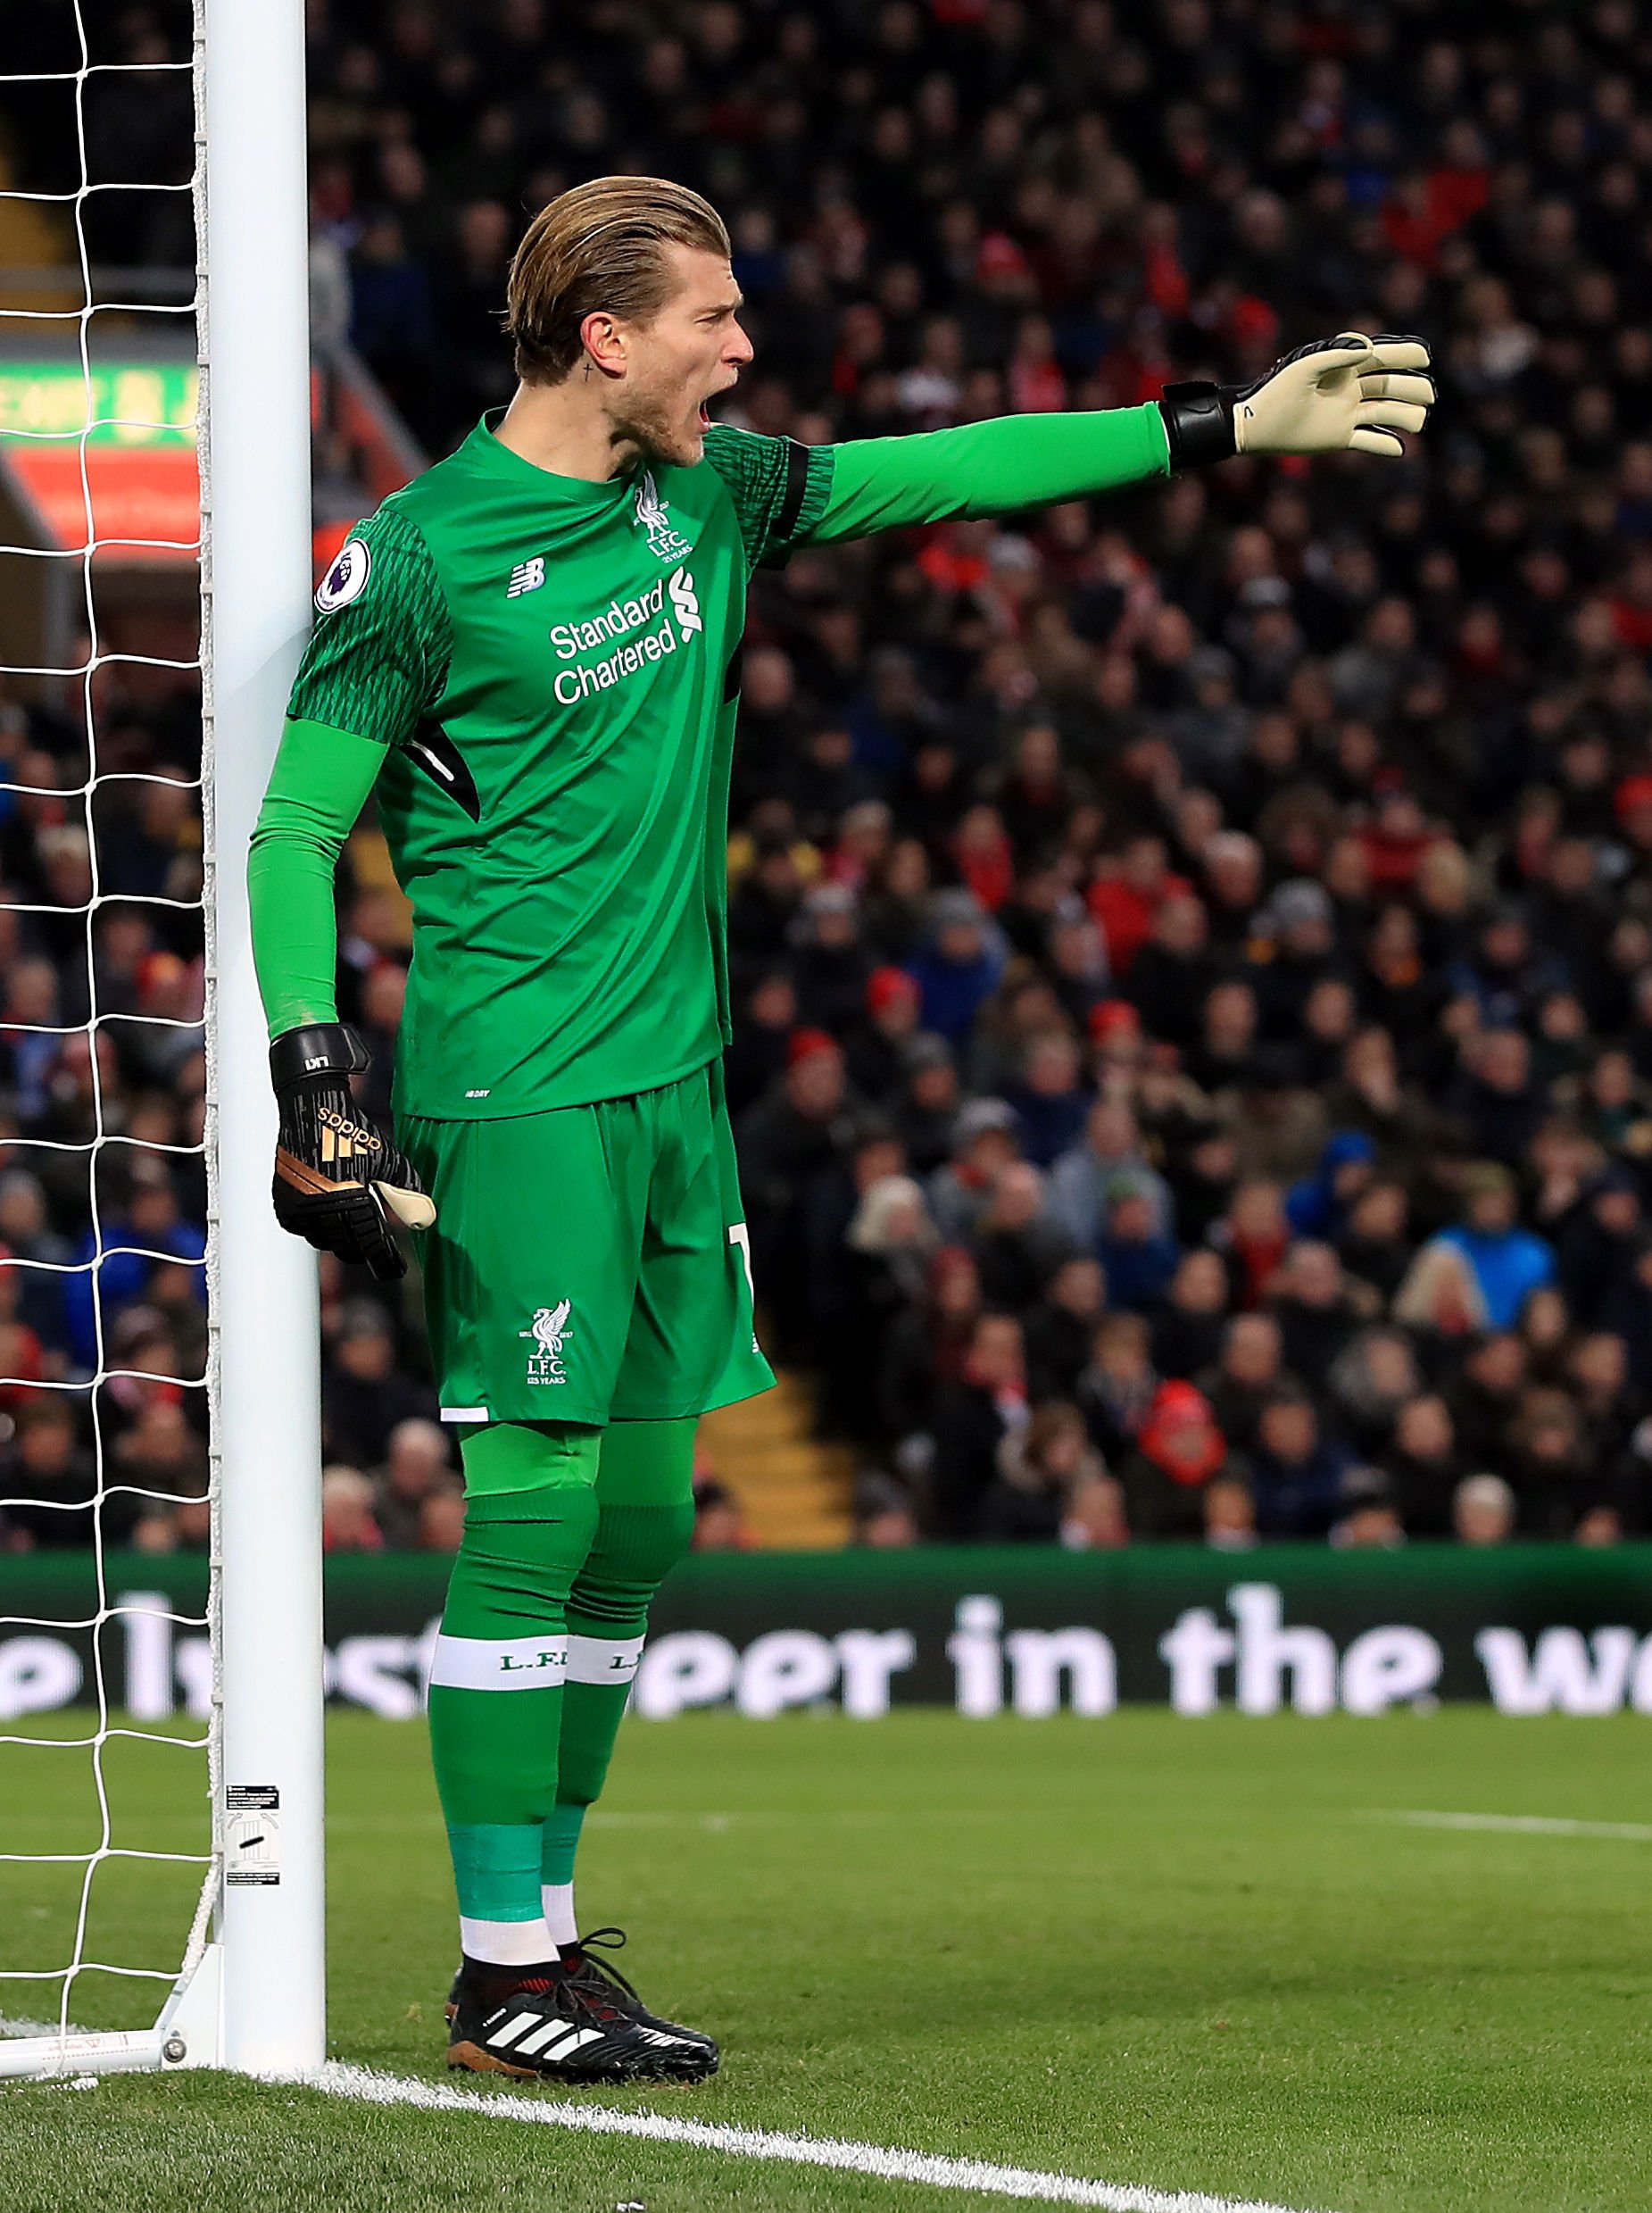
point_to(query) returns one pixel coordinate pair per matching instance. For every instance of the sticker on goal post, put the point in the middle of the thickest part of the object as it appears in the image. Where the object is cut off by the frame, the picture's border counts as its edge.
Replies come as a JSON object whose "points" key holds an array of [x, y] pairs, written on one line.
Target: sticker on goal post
{"points": [[252, 1835]]}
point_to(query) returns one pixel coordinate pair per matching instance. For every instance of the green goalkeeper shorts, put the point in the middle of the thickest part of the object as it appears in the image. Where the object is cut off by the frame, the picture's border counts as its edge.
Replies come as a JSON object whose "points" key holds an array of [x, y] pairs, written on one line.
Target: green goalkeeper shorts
{"points": [[589, 1264]]}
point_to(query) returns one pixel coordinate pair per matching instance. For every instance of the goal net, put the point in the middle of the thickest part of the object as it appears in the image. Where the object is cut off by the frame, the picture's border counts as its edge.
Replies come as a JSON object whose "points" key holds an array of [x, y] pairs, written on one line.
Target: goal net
{"points": [[159, 1756]]}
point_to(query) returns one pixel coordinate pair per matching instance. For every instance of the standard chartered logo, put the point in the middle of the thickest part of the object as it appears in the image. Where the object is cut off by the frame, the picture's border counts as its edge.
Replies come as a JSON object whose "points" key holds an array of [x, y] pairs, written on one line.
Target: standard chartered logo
{"points": [[686, 604], [650, 632]]}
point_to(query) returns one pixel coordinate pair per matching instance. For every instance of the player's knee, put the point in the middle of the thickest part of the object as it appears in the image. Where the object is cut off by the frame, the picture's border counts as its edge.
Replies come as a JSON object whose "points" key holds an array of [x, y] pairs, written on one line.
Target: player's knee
{"points": [[530, 1505], [635, 1550]]}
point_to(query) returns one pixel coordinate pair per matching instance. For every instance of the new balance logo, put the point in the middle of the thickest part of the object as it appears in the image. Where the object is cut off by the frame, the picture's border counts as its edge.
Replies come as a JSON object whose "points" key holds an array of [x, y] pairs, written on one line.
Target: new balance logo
{"points": [[342, 1140], [527, 576], [686, 602]]}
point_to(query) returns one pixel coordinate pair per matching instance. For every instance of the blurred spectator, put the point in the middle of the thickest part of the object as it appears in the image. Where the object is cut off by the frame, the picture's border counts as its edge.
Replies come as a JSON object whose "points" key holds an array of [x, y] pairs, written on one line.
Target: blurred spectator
{"points": [[973, 1416], [347, 1523], [1505, 1263], [794, 1134], [1138, 1260], [1178, 1450], [930, 1343], [880, 1045], [1118, 1387], [417, 1468], [1482, 1511], [364, 1394], [1370, 1520], [1189, 1324], [50, 1480], [1554, 1474], [1295, 1472], [441, 1522], [891, 1242], [1060, 1327], [885, 1519], [1317, 1307], [984, 1146], [1373, 1378], [1082, 1179], [1041, 1469], [958, 962], [1318, 1205], [1598, 1241], [1485, 1396], [719, 1525], [149, 1229], [1253, 1234], [1230, 1515], [1018, 1249], [1422, 1466], [1248, 1372], [1095, 1519], [1050, 1099]]}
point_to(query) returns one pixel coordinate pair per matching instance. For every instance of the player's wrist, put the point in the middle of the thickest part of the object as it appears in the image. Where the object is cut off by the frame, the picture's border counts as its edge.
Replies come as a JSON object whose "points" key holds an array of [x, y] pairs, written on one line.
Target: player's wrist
{"points": [[316, 1053], [1198, 423]]}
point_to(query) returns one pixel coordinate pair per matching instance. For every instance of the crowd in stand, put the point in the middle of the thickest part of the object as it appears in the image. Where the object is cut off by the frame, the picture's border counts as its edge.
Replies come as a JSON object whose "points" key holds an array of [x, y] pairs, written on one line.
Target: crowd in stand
{"points": [[1192, 952]]}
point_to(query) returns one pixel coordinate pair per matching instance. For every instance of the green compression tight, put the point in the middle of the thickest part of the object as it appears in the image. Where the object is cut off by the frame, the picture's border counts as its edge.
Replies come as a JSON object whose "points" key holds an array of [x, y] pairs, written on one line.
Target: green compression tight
{"points": [[568, 1532], [644, 1489], [501, 1658]]}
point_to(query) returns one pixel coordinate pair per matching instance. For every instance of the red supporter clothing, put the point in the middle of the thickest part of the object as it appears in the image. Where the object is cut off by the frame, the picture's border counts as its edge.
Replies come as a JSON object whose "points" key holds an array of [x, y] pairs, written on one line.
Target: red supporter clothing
{"points": [[1125, 915]]}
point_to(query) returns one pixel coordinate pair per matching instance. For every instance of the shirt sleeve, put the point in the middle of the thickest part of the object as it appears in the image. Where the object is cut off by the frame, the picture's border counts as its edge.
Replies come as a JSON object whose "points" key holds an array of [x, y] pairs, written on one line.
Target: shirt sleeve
{"points": [[318, 787], [377, 658], [778, 486], [994, 467]]}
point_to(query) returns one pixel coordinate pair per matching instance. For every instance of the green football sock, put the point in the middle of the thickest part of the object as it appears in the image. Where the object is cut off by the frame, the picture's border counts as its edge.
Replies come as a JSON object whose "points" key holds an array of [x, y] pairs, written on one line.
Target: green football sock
{"points": [[644, 1492], [496, 1681]]}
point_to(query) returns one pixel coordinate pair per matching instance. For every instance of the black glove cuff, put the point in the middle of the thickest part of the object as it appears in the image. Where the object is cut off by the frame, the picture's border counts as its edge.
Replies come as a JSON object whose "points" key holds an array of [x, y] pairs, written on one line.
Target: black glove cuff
{"points": [[319, 1052], [1198, 422]]}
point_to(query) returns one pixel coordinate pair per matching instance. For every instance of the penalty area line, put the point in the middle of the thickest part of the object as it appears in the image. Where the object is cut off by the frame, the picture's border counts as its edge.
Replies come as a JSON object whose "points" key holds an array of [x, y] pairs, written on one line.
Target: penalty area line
{"points": [[368, 2086], [1520, 1824]]}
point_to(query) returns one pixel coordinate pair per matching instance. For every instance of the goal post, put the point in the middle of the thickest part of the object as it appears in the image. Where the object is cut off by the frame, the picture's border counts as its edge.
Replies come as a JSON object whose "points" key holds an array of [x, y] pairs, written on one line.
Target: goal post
{"points": [[250, 1994], [255, 590]]}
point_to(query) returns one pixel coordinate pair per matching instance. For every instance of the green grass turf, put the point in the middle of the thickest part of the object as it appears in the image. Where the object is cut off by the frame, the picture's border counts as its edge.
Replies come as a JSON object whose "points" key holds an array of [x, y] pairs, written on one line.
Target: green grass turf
{"points": [[1152, 1950]]}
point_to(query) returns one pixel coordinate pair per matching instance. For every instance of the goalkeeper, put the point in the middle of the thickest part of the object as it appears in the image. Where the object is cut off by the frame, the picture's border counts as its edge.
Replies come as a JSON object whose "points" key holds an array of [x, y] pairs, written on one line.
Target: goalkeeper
{"points": [[531, 654]]}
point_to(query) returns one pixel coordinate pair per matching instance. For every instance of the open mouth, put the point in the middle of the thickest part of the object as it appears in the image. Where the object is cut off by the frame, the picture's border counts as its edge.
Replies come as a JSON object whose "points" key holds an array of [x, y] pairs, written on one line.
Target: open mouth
{"points": [[705, 404]]}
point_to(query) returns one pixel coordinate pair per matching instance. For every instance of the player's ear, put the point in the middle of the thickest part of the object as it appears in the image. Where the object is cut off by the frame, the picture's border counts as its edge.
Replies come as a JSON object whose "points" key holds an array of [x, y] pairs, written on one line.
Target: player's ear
{"points": [[603, 339]]}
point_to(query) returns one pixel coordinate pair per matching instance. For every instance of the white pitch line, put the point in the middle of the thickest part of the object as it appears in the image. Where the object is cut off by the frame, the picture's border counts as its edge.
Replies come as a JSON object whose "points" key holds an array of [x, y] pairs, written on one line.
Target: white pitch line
{"points": [[1523, 1825], [368, 2086]]}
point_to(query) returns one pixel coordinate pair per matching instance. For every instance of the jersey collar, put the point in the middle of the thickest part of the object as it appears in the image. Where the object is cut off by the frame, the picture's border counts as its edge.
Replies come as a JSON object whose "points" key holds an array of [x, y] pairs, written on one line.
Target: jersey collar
{"points": [[484, 448]]}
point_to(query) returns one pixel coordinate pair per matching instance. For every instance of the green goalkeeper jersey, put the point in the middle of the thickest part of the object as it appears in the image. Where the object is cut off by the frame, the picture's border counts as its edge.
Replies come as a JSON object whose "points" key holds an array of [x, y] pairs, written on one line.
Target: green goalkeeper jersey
{"points": [[550, 667]]}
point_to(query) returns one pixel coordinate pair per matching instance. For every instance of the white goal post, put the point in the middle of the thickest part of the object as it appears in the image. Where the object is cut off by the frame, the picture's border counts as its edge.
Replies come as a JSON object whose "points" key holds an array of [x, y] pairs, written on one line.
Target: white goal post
{"points": [[250, 1995]]}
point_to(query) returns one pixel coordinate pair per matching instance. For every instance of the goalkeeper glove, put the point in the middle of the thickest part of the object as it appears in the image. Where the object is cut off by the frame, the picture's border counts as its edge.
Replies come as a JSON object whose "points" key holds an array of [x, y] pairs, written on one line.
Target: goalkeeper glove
{"points": [[1349, 394], [338, 1181]]}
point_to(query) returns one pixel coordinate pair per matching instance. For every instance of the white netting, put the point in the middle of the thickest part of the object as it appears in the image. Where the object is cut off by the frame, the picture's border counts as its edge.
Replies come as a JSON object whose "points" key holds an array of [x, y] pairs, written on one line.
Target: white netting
{"points": [[105, 1140]]}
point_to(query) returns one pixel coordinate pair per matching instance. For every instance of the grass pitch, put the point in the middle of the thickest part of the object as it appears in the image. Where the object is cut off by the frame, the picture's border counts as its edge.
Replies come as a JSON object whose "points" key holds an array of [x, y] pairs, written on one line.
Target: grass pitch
{"points": [[1191, 1955]]}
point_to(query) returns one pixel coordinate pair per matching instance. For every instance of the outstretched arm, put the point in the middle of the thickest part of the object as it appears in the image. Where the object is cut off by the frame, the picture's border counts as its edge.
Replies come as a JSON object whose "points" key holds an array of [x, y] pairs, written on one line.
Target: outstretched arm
{"points": [[987, 469], [1351, 393]]}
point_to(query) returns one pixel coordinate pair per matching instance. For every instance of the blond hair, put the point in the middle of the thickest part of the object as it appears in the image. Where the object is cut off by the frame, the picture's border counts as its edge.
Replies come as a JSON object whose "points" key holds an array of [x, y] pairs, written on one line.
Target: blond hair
{"points": [[600, 248]]}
